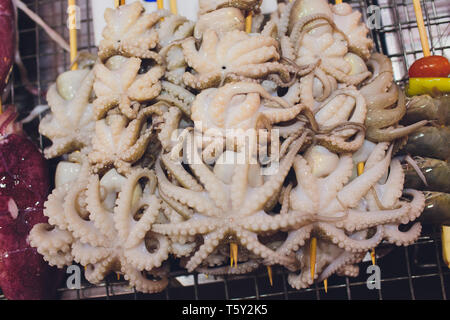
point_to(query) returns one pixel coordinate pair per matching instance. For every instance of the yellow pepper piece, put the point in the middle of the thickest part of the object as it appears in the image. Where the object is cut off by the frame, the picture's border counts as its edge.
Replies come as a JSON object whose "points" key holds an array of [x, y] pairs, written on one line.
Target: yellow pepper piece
{"points": [[446, 245], [418, 86]]}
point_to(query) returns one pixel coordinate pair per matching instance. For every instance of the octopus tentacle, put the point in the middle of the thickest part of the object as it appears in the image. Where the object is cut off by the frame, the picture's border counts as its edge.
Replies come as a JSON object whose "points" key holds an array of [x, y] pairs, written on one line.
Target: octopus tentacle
{"points": [[359, 187], [86, 254], [52, 244], [96, 272], [295, 240], [187, 197], [394, 235], [179, 172], [137, 279], [250, 241], [140, 256], [199, 226], [84, 230], [206, 248], [259, 198], [391, 134], [101, 217], [348, 271], [344, 261], [358, 220], [53, 208], [130, 230], [343, 241]]}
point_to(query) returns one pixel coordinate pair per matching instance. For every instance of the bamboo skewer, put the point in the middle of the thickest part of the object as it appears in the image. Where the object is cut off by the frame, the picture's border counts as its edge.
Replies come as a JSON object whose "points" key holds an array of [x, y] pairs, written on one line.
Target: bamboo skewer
{"points": [[269, 272], [312, 257], [233, 254], [173, 6], [421, 27], [73, 35], [248, 23]]}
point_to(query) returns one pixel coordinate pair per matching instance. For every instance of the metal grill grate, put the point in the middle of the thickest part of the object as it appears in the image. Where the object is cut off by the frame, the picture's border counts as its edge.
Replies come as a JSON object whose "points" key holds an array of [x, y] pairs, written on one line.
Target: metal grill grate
{"points": [[415, 272]]}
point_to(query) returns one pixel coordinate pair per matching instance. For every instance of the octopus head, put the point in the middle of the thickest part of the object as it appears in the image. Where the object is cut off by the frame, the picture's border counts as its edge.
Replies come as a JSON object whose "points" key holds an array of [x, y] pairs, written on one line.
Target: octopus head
{"points": [[321, 160], [303, 8], [226, 164], [230, 19], [240, 105], [68, 83]]}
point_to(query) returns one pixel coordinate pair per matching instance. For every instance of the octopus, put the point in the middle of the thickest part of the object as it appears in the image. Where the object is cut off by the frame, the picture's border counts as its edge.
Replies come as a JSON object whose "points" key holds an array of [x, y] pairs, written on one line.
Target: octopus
{"points": [[177, 96], [230, 19], [228, 116], [344, 223], [130, 32], [338, 121], [225, 203], [212, 5], [327, 47], [121, 84], [172, 30], [104, 224], [120, 142], [381, 95], [235, 57], [240, 105], [71, 122], [349, 22], [344, 18]]}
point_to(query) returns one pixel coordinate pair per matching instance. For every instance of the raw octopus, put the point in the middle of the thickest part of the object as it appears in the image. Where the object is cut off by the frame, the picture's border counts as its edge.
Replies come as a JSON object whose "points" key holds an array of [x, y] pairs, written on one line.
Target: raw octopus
{"points": [[25, 183], [7, 41], [194, 84]]}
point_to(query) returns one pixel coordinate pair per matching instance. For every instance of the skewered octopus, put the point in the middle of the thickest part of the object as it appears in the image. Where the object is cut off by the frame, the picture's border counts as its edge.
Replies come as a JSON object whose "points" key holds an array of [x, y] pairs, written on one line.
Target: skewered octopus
{"points": [[130, 32], [120, 142], [172, 30], [342, 218], [230, 19], [71, 123], [327, 47], [104, 224], [225, 203], [240, 105], [120, 84], [381, 94], [234, 57]]}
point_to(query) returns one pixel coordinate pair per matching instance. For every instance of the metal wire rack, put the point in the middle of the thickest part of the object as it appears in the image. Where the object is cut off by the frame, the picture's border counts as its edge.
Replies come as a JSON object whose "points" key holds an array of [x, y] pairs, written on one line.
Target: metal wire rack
{"points": [[415, 272]]}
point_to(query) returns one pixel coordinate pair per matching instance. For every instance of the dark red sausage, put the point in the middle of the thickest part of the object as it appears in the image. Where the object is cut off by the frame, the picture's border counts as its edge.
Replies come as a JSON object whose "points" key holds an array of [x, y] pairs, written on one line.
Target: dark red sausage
{"points": [[7, 41], [24, 186]]}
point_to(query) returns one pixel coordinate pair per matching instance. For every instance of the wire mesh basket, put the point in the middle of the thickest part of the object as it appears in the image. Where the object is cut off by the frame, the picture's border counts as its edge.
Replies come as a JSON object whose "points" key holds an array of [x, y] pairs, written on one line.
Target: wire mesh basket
{"points": [[414, 272]]}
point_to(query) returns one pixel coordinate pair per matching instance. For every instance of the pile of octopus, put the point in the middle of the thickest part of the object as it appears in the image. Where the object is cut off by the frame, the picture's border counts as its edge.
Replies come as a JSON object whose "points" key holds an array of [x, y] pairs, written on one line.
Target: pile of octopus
{"points": [[152, 178]]}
